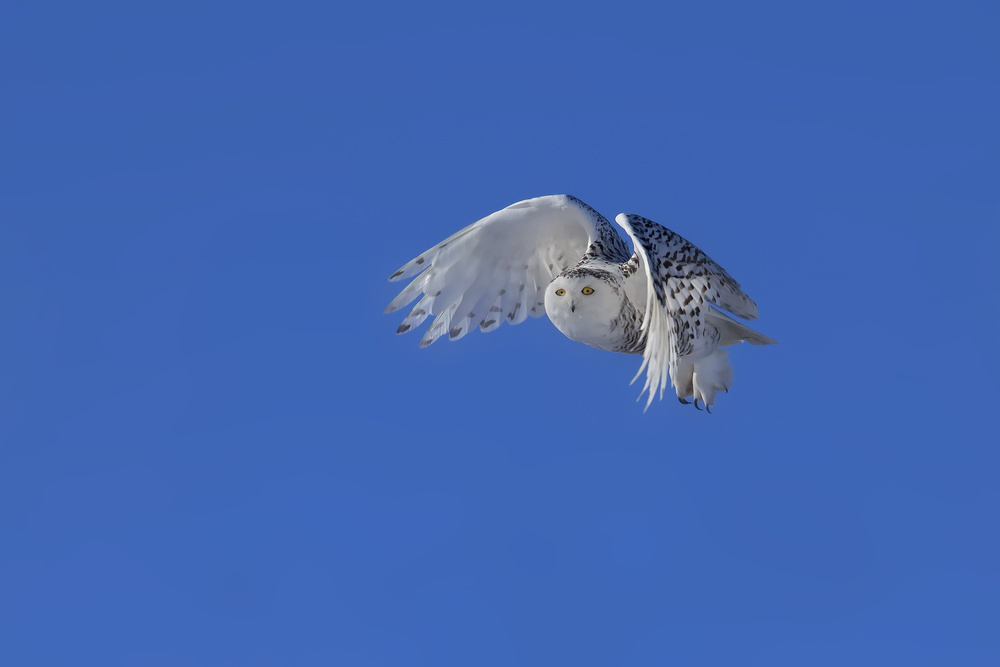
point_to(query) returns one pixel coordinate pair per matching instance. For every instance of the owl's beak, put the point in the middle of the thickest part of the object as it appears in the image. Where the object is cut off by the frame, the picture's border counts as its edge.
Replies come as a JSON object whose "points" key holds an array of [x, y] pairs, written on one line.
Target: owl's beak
{"points": [[572, 306]]}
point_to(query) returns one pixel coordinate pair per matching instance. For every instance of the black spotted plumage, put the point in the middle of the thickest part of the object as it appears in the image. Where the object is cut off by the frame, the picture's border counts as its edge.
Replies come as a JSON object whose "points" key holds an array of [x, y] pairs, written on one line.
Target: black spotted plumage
{"points": [[656, 301]]}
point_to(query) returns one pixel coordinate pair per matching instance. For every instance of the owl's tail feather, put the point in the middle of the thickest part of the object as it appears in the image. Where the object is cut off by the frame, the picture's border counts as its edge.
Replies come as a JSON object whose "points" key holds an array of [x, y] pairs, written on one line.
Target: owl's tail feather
{"points": [[731, 331], [700, 379]]}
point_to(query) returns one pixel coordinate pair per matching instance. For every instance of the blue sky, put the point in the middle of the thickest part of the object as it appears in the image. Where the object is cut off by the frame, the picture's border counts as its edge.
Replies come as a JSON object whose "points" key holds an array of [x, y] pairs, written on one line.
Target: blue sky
{"points": [[214, 450]]}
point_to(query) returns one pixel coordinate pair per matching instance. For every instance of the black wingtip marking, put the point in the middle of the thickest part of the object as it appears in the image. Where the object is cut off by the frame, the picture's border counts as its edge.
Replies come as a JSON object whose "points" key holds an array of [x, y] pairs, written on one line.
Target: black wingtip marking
{"points": [[403, 328]]}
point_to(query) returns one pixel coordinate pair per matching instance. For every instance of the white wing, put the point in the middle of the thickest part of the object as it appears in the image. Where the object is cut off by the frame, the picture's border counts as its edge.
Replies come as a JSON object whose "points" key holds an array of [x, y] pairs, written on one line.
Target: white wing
{"points": [[499, 267], [681, 278]]}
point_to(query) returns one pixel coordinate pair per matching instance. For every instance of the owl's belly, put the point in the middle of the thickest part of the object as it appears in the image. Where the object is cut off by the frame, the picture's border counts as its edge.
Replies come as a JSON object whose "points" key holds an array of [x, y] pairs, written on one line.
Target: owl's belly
{"points": [[612, 335]]}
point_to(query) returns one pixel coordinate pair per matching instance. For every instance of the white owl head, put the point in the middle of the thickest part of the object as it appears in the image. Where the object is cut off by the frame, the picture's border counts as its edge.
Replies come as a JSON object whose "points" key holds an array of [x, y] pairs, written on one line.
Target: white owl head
{"points": [[580, 297]]}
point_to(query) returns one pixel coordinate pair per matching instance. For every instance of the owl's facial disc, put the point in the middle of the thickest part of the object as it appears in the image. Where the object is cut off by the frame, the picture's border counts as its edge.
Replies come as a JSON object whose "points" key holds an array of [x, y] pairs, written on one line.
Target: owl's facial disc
{"points": [[568, 295]]}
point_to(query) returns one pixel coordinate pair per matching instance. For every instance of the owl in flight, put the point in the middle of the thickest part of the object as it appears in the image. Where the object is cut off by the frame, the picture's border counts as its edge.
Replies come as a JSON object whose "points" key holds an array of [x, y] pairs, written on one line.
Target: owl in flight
{"points": [[556, 255]]}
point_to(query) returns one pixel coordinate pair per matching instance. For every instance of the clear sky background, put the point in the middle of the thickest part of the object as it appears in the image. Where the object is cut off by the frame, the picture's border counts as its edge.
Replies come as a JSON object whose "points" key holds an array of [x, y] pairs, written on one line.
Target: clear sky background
{"points": [[214, 450]]}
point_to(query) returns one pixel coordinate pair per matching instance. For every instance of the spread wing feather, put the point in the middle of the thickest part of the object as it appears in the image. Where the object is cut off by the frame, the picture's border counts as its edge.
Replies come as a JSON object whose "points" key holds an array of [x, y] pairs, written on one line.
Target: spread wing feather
{"points": [[498, 268]]}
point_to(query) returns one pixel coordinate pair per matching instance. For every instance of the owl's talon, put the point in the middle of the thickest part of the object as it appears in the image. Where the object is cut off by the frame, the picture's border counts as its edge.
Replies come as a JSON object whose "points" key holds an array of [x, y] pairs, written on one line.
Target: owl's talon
{"points": [[683, 400], [696, 405]]}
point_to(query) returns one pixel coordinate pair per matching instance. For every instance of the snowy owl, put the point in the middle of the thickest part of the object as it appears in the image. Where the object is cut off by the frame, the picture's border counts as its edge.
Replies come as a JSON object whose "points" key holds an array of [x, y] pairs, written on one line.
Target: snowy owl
{"points": [[556, 255]]}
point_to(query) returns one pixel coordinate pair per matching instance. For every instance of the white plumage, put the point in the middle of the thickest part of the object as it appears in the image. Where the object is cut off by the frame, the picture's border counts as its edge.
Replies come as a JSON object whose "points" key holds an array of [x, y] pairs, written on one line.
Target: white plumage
{"points": [[555, 255]]}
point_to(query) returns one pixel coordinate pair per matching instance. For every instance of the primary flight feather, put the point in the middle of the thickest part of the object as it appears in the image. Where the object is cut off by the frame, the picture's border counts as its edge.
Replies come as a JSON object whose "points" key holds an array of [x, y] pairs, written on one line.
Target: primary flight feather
{"points": [[555, 255]]}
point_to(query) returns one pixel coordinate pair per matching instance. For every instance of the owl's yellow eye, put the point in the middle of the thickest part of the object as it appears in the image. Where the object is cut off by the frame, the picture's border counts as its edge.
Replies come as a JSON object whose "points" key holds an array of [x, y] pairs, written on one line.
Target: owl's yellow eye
{"points": [[587, 290], [560, 292]]}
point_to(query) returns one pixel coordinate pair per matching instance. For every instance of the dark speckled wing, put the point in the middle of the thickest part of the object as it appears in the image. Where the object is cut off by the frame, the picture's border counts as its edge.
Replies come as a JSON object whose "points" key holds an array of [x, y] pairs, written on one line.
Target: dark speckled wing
{"points": [[682, 279]]}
